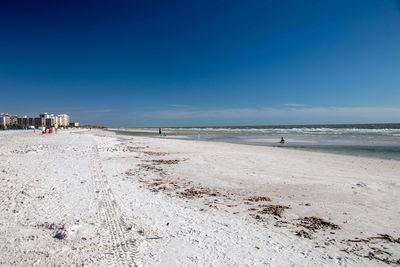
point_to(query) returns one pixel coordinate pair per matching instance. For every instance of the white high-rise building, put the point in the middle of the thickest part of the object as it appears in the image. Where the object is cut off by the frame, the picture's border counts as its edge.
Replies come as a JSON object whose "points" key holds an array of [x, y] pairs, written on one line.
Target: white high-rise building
{"points": [[8, 119], [3, 119], [62, 120]]}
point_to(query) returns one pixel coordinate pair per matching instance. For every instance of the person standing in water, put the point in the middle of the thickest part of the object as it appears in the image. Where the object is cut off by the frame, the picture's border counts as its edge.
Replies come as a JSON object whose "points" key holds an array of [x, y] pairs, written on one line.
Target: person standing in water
{"points": [[159, 131]]}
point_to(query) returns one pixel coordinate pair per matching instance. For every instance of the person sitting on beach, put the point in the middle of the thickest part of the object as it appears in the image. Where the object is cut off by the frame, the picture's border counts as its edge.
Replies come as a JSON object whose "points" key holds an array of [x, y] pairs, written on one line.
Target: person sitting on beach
{"points": [[282, 140]]}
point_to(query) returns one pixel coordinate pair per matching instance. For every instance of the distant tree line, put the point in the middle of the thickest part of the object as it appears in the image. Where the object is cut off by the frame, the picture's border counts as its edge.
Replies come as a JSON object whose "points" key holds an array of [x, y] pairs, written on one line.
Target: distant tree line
{"points": [[16, 126], [11, 126]]}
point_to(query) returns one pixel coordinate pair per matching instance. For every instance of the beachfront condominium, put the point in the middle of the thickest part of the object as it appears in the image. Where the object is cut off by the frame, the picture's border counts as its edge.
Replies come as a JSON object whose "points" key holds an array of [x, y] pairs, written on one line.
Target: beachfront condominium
{"points": [[3, 119], [8, 119], [23, 121], [26, 121], [44, 120], [38, 122], [52, 120], [62, 120]]}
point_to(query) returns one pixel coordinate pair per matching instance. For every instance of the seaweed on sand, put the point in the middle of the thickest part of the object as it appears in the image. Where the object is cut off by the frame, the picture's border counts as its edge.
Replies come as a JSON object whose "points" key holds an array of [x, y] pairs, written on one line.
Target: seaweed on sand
{"points": [[258, 198], [198, 192], [275, 210], [313, 224]]}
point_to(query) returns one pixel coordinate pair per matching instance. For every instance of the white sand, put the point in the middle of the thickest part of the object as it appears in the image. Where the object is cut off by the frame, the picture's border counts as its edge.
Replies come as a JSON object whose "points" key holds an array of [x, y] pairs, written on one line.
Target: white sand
{"points": [[113, 202]]}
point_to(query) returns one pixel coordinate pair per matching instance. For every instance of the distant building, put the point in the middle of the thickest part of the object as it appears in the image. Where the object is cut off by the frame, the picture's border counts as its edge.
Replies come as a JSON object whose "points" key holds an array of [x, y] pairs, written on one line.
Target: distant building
{"points": [[49, 122], [23, 121], [62, 120], [44, 115], [13, 119], [38, 122], [31, 121], [74, 124], [44, 120], [8, 120], [3, 119], [27, 122]]}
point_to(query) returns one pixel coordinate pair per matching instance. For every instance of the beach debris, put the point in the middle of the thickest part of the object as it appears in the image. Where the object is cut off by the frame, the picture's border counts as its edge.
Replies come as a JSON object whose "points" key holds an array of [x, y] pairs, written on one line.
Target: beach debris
{"points": [[384, 237], [51, 226], [152, 166], [60, 234], [156, 183], [161, 185], [282, 223], [258, 198], [361, 184], [275, 210], [148, 168], [164, 161], [373, 253], [304, 234], [59, 231], [198, 192], [152, 153], [134, 148], [130, 172], [258, 218], [313, 224]]}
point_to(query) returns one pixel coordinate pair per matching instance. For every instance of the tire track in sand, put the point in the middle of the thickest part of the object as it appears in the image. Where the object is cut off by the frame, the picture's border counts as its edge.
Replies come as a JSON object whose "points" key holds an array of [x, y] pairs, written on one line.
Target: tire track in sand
{"points": [[116, 238]]}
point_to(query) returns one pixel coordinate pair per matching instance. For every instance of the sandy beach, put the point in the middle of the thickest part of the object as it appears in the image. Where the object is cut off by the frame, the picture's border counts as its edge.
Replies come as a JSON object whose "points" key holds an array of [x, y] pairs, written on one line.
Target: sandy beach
{"points": [[95, 198]]}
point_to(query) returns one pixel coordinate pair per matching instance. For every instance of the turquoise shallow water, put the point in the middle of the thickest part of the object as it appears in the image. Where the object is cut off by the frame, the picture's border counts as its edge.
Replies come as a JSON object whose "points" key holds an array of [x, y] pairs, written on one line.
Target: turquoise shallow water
{"points": [[366, 140]]}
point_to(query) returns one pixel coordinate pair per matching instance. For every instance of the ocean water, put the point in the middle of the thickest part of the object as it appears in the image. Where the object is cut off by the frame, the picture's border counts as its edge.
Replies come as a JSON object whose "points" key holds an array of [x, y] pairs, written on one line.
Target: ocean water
{"points": [[366, 140]]}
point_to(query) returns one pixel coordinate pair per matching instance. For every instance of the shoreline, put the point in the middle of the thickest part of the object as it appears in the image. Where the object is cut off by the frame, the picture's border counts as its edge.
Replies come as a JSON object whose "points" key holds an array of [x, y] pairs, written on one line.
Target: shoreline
{"points": [[181, 202], [385, 152]]}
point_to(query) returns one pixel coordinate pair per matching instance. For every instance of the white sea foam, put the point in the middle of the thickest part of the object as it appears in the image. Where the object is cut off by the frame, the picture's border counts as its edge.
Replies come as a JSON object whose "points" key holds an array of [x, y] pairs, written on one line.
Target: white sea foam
{"points": [[301, 131]]}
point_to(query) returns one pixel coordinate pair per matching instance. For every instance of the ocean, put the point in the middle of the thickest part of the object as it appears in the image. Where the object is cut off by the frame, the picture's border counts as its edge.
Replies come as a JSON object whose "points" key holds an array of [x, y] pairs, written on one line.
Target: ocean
{"points": [[365, 140]]}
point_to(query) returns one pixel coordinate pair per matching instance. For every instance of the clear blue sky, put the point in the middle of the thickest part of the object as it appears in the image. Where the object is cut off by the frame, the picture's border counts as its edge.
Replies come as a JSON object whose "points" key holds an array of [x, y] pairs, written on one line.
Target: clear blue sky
{"points": [[150, 63]]}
